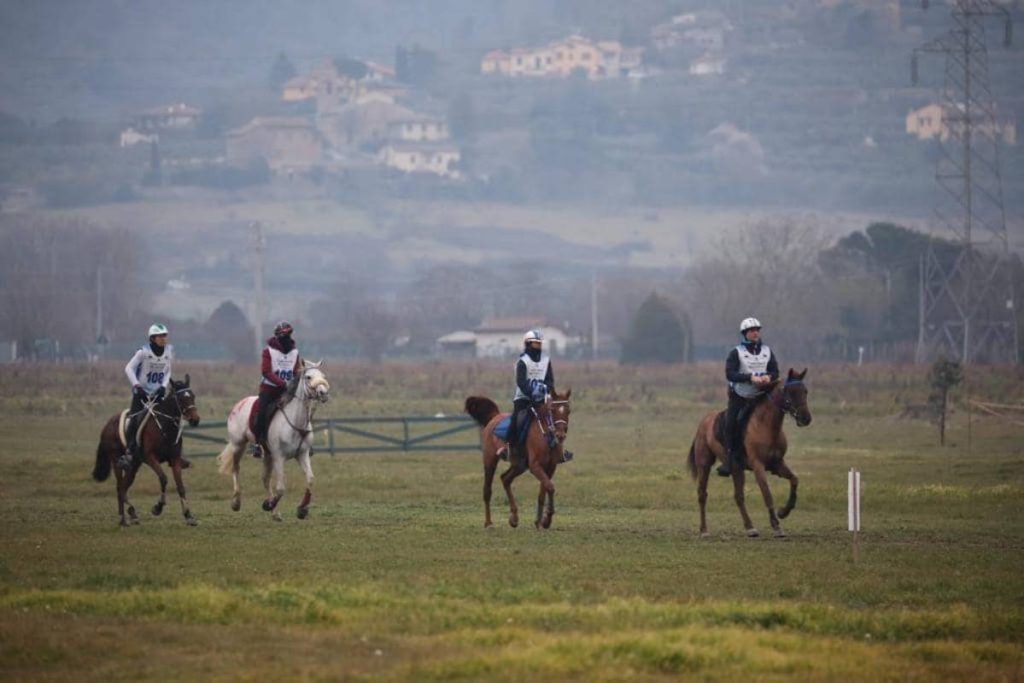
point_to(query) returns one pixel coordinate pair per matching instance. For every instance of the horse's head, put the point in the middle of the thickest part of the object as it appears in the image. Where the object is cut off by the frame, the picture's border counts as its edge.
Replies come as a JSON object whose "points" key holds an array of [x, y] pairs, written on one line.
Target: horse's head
{"points": [[794, 398], [185, 399], [315, 381], [560, 408]]}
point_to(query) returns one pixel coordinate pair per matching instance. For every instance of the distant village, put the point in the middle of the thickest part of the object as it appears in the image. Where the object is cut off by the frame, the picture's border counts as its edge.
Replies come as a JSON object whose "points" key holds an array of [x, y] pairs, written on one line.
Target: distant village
{"points": [[357, 116]]}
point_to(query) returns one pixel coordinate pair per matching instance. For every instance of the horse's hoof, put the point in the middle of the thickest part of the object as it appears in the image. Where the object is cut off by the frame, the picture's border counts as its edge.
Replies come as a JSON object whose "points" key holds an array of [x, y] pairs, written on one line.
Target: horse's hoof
{"points": [[546, 522], [134, 521], [753, 533], [488, 526], [783, 513], [302, 513], [703, 534], [268, 505], [513, 522], [157, 510], [123, 523], [191, 521], [276, 517], [778, 533], [236, 504], [131, 512]]}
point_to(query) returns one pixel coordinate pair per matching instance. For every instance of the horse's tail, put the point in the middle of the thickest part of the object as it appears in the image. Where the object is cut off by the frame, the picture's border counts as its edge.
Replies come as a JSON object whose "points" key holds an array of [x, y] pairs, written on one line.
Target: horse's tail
{"points": [[102, 469], [481, 409], [691, 459], [226, 459]]}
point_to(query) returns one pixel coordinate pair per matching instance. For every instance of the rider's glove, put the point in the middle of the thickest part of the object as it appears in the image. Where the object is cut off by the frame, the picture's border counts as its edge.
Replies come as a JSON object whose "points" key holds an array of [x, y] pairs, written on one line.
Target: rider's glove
{"points": [[158, 395]]}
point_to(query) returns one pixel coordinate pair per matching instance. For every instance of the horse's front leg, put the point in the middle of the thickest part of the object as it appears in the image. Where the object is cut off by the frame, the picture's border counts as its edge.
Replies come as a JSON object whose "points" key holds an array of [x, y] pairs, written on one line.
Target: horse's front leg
{"points": [[507, 477], [129, 477], [122, 493], [766, 493], [703, 473], [544, 517], [179, 484], [307, 469], [783, 471], [738, 477], [150, 459], [274, 496]]}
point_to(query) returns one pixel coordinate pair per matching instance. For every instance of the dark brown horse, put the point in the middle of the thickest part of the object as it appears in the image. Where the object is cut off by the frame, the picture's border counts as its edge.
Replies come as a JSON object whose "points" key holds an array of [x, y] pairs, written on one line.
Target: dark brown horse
{"points": [[160, 440], [764, 449], [551, 418]]}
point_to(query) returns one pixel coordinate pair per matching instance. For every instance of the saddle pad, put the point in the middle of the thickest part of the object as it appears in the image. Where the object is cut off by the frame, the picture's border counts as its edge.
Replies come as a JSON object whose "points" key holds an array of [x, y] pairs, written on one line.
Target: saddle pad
{"points": [[122, 422], [501, 429]]}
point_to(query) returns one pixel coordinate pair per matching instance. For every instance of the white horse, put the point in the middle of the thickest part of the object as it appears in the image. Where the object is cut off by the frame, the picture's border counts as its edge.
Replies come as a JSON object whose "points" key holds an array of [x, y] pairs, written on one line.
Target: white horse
{"points": [[290, 435]]}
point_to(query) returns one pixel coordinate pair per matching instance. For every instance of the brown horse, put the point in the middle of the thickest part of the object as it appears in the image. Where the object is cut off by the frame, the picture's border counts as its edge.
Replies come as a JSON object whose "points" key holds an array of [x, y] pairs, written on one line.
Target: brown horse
{"points": [[764, 449], [550, 418], [160, 441]]}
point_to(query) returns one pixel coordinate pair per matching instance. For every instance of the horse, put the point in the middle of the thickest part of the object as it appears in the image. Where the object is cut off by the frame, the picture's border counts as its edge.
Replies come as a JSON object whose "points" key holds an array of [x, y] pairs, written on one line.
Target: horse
{"points": [[763, 449], [551, 419], [289, 435], [160, 441]]}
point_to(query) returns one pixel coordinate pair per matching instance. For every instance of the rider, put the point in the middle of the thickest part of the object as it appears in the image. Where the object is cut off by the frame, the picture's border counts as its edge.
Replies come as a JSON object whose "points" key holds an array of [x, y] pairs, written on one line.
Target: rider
{"points": [[149, 371], [535, 379], [280, 363], [750, 368]]}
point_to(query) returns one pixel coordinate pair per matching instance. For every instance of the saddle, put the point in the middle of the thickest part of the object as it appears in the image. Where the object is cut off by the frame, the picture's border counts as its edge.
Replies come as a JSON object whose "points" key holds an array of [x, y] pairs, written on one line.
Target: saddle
{"points": [[501, 429], [254, 411], [741, 422], [122, 425]]}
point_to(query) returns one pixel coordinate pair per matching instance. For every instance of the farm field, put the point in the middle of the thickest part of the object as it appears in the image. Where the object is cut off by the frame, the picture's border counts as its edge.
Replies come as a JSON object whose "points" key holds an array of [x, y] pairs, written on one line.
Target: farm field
{"points": [[393, 578]]}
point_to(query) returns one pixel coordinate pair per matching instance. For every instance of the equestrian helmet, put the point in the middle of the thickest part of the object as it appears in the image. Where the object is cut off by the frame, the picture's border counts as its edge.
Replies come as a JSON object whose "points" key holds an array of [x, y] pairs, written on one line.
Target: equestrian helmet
{"points": [[750, 324], [533, 336], [282, 329], [157, 329]]}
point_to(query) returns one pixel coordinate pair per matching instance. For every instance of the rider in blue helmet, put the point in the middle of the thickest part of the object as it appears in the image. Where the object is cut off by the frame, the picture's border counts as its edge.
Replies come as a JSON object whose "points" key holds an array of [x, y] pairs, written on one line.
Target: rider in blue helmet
{"points": [[749, 369], [535, 380]]}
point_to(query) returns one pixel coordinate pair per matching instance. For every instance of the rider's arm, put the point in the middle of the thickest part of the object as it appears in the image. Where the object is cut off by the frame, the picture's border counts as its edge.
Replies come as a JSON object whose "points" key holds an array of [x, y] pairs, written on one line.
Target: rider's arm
{"points": [[268, 371], [549, 378], [732, 368], [170, 360], [773, 367], [132, 369], [521, 381], [297, 370]]}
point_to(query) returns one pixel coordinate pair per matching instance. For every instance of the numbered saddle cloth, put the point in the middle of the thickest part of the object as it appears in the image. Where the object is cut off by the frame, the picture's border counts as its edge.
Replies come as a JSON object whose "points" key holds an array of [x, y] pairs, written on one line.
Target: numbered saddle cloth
{"points": [[501, 429], [122, 425]]}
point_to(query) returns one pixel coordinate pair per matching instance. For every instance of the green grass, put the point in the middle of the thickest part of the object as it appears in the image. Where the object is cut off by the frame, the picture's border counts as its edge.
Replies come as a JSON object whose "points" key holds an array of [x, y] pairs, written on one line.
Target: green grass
{"points": [[393, 578]]}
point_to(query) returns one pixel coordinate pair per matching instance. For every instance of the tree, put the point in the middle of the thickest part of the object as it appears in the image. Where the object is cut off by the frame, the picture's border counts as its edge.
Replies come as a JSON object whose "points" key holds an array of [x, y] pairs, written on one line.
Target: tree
{"points": [[945, 374], [658, 335], [228, 325], [281, 71]]}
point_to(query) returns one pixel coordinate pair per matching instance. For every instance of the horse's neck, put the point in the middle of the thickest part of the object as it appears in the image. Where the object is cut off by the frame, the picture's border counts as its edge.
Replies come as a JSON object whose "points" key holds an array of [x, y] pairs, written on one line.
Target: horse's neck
{"points": [[768, 410], [296, 409]]}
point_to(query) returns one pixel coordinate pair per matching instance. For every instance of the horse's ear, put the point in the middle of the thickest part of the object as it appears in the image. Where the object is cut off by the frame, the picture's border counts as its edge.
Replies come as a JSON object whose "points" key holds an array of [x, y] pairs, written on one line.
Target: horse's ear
{"points": [[791, 374], [320, 364], [803, 374], [568, 393], [188, 379]]}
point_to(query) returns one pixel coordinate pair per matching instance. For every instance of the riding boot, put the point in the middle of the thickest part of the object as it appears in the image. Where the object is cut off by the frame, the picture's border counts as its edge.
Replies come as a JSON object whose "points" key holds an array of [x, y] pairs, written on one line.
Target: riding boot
{"points": [[725, 467], [125, 461], [185, 462], [503, 451]]}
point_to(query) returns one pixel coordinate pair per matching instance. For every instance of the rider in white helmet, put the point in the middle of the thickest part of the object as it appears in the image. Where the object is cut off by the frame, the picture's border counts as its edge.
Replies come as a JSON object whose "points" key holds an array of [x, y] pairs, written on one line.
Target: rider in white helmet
{"points": [[535, 379], [149, 372], [749, 369]]}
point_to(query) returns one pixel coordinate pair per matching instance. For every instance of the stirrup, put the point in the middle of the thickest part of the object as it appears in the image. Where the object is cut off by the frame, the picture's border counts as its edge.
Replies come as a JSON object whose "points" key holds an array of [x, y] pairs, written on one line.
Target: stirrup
{"points": [[257, 450], [125, 460]]}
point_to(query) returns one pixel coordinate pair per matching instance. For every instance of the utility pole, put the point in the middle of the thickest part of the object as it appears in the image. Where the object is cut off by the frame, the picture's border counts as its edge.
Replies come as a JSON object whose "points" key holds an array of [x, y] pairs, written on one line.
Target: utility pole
{"points": [[967, 305], [99, 303], [593, 315], [259, 244]]}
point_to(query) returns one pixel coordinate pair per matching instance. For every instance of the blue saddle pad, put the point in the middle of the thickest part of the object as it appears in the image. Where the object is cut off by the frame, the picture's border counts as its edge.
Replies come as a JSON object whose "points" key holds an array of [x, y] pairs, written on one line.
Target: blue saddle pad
{"points": [[501, 429]]}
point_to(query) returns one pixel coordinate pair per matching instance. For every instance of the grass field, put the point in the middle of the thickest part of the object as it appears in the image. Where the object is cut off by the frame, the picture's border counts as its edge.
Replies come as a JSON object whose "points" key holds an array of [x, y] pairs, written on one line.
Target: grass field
{"points": [[393, 577]]}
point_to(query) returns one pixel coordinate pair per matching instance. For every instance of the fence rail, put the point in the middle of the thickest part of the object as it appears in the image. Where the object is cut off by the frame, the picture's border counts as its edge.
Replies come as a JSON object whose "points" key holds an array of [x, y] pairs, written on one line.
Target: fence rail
{"points": [[370, 434]]}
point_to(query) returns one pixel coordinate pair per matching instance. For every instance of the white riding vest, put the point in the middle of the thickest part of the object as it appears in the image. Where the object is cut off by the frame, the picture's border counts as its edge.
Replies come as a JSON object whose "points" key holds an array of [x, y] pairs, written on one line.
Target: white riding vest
{"points": [[534, 370], [753, 364], [281, 364], [153, 371]]}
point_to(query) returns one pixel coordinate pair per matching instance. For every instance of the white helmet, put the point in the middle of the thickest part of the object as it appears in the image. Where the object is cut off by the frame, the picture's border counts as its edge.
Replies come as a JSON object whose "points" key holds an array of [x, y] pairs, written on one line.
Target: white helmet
{"points": [[157, 329], [533, 336], [749, 324]]}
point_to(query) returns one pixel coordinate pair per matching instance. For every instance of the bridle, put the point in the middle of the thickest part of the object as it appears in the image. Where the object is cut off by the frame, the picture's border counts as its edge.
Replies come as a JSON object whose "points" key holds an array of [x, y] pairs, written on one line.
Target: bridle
{"points": [[550, 419], [785, 403], [306, 399]]}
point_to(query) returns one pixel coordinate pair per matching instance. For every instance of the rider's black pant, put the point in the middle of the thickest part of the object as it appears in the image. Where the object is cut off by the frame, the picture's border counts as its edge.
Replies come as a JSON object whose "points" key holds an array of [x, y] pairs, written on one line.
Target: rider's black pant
{"points": [[519, 408], [266, 398], [733, 438], [134, 418]]}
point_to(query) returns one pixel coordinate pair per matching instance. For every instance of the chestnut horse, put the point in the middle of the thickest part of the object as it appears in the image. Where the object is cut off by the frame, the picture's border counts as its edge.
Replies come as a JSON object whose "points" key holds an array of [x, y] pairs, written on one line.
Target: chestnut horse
{"points": [[160, 441], [543, 447], [764, 449]]}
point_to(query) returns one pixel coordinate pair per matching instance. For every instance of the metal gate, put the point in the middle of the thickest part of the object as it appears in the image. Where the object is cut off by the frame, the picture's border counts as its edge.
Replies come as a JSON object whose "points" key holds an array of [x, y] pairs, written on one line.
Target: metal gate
{"points": [[369, 434]]}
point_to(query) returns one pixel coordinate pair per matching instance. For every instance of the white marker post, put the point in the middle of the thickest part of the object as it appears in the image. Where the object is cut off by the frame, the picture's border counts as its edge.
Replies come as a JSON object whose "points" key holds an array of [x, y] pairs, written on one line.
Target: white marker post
{"points": [[853, 507]]}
